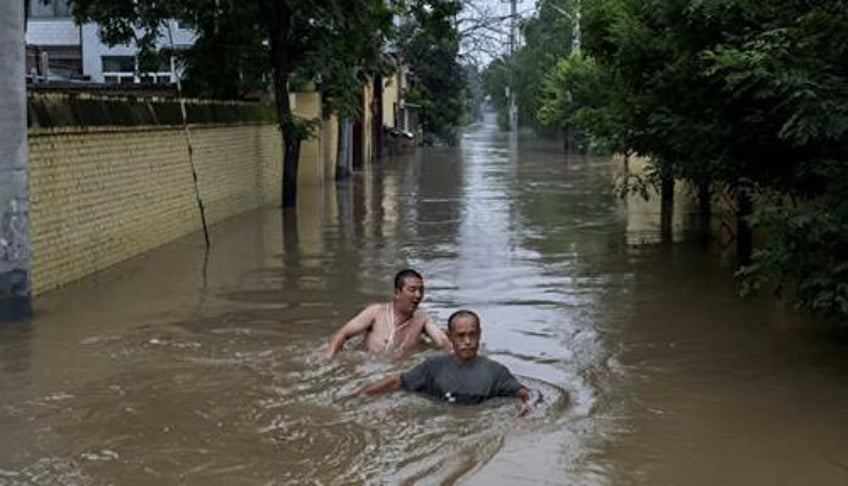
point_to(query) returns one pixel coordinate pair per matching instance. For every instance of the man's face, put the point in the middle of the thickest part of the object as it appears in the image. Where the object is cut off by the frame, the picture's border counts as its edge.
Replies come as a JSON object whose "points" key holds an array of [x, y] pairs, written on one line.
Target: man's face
{"points": [[465, 337], [410, 295]]}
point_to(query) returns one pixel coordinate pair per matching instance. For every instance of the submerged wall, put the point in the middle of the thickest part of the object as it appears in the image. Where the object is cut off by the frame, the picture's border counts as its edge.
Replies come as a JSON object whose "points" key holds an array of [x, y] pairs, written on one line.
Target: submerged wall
{"points": [[111, 178]]}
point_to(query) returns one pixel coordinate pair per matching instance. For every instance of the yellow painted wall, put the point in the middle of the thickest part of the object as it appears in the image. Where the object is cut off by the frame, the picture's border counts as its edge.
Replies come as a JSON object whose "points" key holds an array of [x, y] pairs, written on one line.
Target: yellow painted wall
{"points": [[310, 170], [391, 97], [100, 196]]}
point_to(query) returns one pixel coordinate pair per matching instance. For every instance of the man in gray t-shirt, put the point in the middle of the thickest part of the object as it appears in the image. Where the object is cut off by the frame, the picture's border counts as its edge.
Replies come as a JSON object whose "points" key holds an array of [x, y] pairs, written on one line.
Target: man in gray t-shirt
{"points": [[471, 382], [462, 377]]}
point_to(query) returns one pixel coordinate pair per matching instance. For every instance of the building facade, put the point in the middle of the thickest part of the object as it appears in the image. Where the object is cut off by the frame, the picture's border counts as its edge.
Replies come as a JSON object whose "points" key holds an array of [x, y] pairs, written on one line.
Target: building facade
{"points": [[59, 49]]}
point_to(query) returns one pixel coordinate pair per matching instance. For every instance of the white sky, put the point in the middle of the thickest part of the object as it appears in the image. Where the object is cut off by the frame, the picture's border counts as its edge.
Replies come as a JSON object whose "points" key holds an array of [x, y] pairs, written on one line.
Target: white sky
{"points": [[486, 43]]}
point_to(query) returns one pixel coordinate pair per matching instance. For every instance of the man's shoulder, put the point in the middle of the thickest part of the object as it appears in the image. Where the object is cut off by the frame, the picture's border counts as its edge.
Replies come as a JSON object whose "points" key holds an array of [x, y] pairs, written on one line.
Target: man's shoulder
{"points": [[429, 367], [439, 361], [375, 308], [490, 363]]}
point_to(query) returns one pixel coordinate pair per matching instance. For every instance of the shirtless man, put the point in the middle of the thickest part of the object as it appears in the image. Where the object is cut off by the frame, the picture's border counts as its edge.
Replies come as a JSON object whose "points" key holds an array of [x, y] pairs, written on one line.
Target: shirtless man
{"points": [[395, 326]]}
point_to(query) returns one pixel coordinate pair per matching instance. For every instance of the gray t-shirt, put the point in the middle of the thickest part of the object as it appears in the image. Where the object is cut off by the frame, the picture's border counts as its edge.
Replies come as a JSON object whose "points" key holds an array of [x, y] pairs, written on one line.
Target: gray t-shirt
{"points": [[444, 378]]}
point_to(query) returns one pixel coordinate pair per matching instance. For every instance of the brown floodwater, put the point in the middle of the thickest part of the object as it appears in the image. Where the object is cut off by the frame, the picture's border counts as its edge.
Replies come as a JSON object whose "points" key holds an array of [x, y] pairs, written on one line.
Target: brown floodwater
{"points": [[179, 367]]}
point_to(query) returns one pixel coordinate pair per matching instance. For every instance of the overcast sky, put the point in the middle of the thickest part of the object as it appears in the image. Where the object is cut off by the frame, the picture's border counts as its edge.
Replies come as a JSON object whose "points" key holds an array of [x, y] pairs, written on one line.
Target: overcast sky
{"points": [[484, 25]]}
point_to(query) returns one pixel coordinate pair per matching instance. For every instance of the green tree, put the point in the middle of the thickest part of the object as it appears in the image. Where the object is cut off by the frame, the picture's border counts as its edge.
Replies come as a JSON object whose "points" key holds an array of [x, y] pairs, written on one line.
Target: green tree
{"points": [[547, 39], [748, 96], [495, 81], [429, 42], [788, 79], [330, 40], [575, 97], [473, 92]]}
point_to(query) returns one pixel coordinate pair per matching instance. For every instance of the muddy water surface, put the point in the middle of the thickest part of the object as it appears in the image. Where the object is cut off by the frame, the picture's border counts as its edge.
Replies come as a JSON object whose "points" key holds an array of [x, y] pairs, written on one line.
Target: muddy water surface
{"points": [[184, 368]]}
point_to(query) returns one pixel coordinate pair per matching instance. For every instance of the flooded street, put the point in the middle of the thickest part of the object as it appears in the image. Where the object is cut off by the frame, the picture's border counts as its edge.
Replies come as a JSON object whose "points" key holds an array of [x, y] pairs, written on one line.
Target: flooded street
{"points": [[184, 368]]}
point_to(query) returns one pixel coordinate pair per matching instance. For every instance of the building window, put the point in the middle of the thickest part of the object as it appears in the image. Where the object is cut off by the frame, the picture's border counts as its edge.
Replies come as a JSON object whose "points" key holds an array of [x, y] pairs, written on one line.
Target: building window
{"points": [[118, 69], [155, 78], [61, 61], [49, 9], [119, 79], [118, 64]]}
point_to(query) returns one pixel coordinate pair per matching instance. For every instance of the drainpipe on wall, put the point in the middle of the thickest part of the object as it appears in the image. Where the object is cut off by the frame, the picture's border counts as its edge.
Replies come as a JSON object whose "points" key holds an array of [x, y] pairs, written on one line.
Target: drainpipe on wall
{"points": [[201, 207], [14, 214]]}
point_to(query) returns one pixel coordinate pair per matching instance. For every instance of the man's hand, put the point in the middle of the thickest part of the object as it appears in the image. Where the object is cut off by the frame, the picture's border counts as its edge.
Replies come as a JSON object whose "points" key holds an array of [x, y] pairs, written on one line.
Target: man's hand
{"points": [[528, 401]]}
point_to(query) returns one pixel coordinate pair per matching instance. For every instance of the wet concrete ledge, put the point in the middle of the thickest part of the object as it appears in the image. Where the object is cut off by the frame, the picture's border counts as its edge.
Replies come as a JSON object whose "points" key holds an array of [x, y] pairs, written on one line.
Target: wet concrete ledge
{"points": [[51, 109]]}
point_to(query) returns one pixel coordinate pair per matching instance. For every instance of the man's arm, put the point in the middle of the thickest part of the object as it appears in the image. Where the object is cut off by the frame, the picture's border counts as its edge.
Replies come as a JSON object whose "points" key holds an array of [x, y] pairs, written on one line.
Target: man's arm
{"points": [[388, 384], [361, 323], [417, 379], [440, 339]]}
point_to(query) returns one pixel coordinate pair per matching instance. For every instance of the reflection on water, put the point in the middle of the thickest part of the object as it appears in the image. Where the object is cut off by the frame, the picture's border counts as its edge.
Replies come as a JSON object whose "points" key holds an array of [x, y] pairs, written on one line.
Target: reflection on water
{"points": [[179, 367]]}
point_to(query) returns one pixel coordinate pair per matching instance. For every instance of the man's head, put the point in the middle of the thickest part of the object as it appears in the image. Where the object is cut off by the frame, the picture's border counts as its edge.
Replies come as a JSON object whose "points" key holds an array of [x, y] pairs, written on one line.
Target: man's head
{"points": [[464, 334], [409, 290]]}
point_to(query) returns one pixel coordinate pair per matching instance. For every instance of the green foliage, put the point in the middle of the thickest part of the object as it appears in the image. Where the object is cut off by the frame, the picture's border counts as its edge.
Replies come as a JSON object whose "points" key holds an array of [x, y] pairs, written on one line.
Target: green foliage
{"points": [[227, 32], [495, 81], [240, 45], [807, 248], [793, 112], [474, 94], [336, 41], [738, 94], [352, 56], [429, 42], [574, 97], [547, 40]]}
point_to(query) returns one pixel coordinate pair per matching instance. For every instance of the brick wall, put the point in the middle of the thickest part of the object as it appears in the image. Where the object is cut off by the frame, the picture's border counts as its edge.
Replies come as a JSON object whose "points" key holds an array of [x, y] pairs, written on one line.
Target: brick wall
{"points": [[99, 196], [110, 177]]}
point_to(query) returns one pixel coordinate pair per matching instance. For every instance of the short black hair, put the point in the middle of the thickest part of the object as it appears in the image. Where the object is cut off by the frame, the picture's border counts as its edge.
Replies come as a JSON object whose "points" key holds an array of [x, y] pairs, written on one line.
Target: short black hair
{"points": [[463, 313], [400, 277]]}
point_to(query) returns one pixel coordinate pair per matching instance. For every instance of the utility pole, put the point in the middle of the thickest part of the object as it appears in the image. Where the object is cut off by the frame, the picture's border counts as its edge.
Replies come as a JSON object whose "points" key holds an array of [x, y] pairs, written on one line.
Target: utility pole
{"points": [[513, 109], [14, 213], [576, 47]]}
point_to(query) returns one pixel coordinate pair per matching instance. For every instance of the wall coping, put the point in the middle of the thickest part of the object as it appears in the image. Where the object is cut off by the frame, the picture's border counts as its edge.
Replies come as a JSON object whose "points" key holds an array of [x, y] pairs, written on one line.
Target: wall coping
{"points": [[53, 110], [77, 130]]}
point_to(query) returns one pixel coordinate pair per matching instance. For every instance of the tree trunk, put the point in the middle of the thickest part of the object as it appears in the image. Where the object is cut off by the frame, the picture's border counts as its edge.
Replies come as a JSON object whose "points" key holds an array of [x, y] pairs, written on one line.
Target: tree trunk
{"points": [[278, 19], [705, 210], [344, 155], [744, 237], [666, 207], [291, 155]]}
